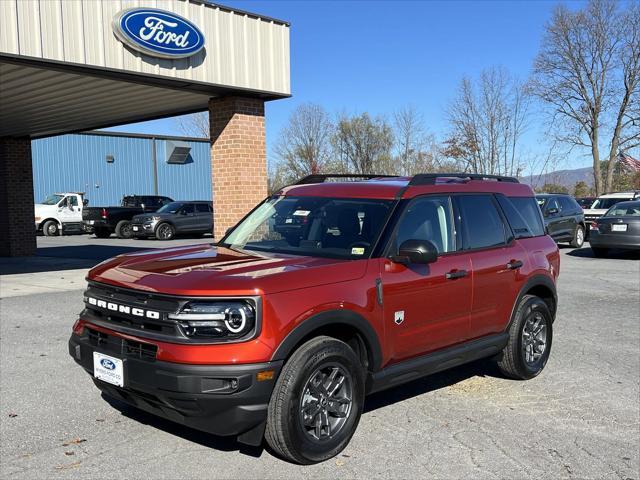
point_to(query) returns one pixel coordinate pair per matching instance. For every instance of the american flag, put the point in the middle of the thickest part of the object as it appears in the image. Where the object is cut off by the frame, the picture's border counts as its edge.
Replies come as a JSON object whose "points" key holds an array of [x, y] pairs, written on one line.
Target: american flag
{"points": [[630, 163]]}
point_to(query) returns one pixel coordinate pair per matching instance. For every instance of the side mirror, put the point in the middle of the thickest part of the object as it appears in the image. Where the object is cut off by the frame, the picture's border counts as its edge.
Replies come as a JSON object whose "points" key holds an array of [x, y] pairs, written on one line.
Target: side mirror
{"points": [[85, 202], [416, 251]]}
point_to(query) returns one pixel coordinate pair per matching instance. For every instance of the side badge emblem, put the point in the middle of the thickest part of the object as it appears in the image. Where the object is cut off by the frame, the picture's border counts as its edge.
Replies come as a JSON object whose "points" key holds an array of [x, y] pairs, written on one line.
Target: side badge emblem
{"points": [[399, 317]]}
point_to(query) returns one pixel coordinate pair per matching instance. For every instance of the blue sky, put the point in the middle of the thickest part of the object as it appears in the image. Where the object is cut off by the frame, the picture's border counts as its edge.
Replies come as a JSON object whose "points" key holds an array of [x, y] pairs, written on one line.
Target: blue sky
{"points": [[378, 56]]}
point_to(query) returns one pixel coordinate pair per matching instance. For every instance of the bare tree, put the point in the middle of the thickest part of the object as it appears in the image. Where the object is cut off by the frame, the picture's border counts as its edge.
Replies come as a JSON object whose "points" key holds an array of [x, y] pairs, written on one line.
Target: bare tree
{"points": [[364, 145], [416, 150], [195, 125], [304, 144], [588, 73], [487, 119]]}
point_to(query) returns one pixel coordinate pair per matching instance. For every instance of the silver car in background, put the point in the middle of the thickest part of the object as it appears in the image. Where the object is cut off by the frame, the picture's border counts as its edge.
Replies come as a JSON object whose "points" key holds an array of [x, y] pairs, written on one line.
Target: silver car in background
{"points": [[192, 217]]}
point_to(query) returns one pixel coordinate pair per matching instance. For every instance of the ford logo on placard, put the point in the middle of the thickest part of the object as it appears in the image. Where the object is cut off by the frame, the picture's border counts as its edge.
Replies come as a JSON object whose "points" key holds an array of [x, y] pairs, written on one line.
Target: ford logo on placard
{"points": [[108, 364], [158, 32]]}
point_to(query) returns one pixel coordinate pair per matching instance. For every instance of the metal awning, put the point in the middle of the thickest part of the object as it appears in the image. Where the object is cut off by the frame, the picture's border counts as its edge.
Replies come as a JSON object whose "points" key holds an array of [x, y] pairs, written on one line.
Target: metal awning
{"points": [[43, 101]]}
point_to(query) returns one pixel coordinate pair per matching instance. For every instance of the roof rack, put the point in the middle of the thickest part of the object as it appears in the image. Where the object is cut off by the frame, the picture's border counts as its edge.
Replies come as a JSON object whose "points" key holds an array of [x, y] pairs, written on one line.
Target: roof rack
{"points": [[431, 178], [321, 177]]}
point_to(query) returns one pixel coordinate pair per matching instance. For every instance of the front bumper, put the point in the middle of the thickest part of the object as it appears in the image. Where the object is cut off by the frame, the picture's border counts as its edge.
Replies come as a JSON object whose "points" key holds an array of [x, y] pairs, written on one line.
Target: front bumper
{"points": [[219, 399], [147, 229]]}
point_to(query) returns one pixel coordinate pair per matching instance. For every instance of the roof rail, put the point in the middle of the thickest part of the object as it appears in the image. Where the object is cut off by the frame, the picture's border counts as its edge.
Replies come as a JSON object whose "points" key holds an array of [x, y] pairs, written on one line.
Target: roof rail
{"points": [[321, 177], [431, 178]]}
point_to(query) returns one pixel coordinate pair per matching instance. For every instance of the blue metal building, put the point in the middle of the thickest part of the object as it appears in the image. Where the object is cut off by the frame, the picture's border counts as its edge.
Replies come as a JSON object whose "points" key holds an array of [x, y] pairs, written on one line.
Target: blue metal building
{"points": [[108, 165]]}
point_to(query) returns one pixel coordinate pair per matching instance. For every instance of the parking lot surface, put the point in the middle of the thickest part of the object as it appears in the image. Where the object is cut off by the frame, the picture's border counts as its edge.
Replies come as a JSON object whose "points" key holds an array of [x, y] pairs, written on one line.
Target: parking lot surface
{"points": [[579, 419]]}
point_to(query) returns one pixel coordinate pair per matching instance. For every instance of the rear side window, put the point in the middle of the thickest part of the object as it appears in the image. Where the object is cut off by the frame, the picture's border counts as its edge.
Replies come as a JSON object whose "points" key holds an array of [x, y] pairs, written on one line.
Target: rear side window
{"points": [[530, 213], [522, 227], [568, 204], [203, 208], [483, 225]]}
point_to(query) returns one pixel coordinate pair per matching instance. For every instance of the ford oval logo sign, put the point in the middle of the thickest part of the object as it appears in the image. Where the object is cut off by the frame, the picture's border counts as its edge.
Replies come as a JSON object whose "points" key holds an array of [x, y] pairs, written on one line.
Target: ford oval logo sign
{"points": [[108, 364], [158, 33]]}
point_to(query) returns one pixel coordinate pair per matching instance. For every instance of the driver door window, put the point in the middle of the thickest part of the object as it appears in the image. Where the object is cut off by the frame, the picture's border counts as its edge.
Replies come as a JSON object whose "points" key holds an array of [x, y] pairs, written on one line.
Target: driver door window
{"points": [[428, 218]]}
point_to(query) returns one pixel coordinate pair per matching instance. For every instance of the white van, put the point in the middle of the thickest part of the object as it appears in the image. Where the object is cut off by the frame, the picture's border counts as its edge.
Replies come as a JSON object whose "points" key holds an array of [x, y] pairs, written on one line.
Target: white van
{"points": [[60, 213]]}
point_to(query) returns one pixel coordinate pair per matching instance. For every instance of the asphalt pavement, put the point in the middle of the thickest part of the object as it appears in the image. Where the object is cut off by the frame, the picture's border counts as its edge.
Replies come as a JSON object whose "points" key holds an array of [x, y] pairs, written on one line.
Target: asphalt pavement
{"points": [[579, 419]]}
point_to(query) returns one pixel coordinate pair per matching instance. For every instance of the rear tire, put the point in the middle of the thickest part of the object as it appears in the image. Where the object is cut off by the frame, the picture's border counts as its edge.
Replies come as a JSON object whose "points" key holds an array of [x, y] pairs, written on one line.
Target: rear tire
{"points": [[599, 252], [316, 403], [123, 229], [51, 228], [578, 237], [102, 233], [530, 338]]}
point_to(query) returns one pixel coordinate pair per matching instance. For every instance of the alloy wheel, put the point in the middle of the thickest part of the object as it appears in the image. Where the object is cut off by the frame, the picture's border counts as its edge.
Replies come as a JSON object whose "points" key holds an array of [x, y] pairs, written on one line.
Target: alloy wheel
{"points": [[534, 338], [326, 402]]}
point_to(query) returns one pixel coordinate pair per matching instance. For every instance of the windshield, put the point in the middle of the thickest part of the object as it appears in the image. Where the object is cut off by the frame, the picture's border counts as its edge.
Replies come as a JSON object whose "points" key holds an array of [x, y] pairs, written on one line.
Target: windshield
{"points": [[624, 210], [52, 199], [604, 203], [172, 207], [314, 226]]}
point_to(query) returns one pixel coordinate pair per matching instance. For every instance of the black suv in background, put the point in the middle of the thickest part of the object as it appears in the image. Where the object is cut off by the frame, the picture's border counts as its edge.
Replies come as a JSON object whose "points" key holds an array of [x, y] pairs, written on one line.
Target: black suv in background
{"points": [[563, 218]]}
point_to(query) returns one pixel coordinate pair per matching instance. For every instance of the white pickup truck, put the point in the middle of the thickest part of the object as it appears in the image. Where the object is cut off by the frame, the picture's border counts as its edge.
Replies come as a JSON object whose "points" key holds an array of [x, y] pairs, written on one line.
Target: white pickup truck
{"points": [[60, 213]]}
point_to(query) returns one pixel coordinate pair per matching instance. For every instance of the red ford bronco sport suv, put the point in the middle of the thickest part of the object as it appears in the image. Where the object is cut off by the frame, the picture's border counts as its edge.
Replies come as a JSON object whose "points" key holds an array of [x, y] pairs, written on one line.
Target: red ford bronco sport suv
{"points": [[327, 291]]}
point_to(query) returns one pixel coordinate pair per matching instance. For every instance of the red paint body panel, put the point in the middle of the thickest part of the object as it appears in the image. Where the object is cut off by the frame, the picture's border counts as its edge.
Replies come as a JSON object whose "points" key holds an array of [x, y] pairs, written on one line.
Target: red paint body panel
{"points": [[437, 312]]}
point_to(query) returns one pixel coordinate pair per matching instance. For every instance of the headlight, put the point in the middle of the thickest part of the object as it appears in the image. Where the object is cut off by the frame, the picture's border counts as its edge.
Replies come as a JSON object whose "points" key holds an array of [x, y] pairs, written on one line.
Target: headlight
{"points": [[217, 319]]}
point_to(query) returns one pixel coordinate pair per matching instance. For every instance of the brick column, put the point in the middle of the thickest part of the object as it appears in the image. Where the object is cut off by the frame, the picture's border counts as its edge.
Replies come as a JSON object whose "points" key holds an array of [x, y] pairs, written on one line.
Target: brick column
{"points": [[17, 228], [238, 159]]}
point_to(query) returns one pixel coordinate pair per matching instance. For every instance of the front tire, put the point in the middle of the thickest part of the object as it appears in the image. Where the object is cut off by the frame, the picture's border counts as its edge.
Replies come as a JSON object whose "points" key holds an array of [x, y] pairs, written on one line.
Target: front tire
{"points": [[51, 228], [317, 402], [530, 337], [578, 237], [165, 231]]}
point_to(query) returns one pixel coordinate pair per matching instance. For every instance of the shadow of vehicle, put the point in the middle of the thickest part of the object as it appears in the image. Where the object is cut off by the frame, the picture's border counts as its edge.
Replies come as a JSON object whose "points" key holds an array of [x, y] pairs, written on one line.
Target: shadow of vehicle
{"points": [[225, 444], [482, 368], [613, 254]]}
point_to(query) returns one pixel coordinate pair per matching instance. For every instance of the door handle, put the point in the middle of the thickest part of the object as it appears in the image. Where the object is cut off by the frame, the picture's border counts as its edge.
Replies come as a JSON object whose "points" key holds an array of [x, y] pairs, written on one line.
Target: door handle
{"points": [[453, 274], [514, 264]]}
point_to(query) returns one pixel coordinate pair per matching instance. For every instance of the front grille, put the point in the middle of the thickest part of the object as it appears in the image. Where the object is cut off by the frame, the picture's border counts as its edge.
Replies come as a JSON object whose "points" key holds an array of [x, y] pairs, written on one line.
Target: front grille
{"points": [[128, 310], [121, 346]]}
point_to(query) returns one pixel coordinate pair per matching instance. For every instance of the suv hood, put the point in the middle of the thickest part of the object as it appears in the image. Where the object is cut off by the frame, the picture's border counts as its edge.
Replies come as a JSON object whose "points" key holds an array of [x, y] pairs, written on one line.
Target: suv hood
{"points": [[210, 270]]}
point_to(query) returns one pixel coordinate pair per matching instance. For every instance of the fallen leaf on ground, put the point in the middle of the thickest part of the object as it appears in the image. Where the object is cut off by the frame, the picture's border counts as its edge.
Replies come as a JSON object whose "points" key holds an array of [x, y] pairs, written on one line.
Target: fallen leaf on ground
{"points": [[69, 453], [339, 463], [13, 415], [99, 419], [75, 441]]}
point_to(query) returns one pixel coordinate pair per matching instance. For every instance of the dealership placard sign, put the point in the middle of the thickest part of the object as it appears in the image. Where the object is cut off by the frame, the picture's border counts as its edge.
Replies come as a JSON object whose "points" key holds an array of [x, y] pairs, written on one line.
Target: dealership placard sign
{"points": [[158, 33]]}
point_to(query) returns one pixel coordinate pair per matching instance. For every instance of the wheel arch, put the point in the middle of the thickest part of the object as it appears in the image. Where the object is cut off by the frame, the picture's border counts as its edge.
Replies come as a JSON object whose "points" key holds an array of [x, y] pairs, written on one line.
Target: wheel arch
{"points": [[52, 219], [541, 286], [344, 325]]}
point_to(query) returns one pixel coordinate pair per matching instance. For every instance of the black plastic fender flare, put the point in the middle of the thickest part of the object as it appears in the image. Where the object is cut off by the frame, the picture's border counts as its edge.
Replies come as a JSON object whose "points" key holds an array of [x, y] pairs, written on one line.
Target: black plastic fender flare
{"points": [[333, 318]]}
